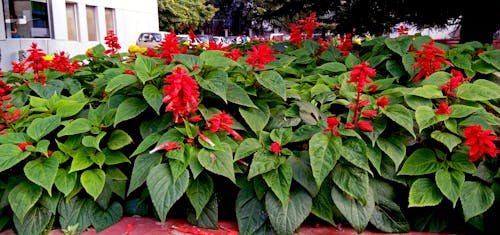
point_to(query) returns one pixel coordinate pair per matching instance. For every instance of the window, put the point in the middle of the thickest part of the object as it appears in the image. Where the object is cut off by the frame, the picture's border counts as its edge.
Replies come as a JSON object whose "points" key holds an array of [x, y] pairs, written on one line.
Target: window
{"points": [[92, 23], [72, 19], [110, 19], [26, 19]]}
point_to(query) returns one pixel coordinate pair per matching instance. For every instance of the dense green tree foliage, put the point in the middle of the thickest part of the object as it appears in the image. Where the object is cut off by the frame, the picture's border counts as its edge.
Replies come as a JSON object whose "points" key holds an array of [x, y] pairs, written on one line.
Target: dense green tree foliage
{"points": [[184, 15]]}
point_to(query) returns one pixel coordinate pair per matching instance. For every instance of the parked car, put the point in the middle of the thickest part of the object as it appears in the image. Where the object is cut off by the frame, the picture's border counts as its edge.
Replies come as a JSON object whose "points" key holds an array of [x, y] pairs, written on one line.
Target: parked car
{"points": [[185, 38], [150, 39], [222, 40], [204, 38]]}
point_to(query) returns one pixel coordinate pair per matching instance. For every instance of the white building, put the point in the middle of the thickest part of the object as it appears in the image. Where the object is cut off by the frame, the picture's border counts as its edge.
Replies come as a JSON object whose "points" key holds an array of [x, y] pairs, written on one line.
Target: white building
{"points": [[71, 25]]}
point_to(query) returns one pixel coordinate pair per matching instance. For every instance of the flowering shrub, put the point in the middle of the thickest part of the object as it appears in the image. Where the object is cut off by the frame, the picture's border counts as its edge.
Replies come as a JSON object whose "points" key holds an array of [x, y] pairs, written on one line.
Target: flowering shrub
{"points": [[398, 133]]}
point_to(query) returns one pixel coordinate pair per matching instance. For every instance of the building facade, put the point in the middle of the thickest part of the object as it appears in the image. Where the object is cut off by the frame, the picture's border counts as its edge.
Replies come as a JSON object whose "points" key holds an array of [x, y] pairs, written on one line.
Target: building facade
{"points": [[70, 25]]}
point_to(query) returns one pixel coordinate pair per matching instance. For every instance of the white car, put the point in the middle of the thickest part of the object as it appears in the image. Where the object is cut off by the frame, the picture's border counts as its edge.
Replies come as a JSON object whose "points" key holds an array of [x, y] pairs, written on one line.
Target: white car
{"points": [[185, 37], [221, 40], [150, 39]]}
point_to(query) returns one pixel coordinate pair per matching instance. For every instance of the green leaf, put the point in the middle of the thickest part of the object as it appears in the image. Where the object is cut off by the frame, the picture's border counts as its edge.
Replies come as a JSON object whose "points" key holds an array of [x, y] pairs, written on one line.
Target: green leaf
{"points": [[322, 204], [93, 182], [302, 172], [147, 142], [219, 162], [247, 147], [10, 156], [354, 151], [65, 182], [78, 126], [394, 147], [41, 127], [256, 118], [351, 61], [448, 139], [273, 81], [13, 138], [153, 96], [379, 126], [437, 79], [424, 192], [262, 162], [216, 59], [216, 82], [399, 45], [164, 189], [352, 181], [52, 87], [421, 162], [480, 90], [389, 218], [280, 181], [461, 111], [209, 217], [395, 68], [68, 108], [238, 95], [491, 57], [119, 139], [128, 109], [401, 115], [23, 197], [324, 151], [460, 162], [114, 157], [35, 222], [334, 67], [476, 199], [119, 82], [450, 183], [288, 217], [188, 60], [102, 219], [357, 214], [142, 166], [145, 68], [42, 171], [281, 135], [93, 141], [428, 92], [74, 212], [426, 117], [249, 212], [199, 192]]}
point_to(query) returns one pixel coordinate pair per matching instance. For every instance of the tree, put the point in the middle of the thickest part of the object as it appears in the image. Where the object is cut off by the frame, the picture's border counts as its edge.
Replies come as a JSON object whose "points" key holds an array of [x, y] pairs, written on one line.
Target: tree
{"points": [[184, 15]]}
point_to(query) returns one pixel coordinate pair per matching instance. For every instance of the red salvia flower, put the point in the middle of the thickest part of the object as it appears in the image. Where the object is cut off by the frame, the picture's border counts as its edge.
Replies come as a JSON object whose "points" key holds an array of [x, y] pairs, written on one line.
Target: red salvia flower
{"points": [[206, 139], [213, 46], [275, 148], [192, 36], [295, 35], [222, 121], [309, 24], [234, 54], [360, 74], [402, 30], [23, 145], [332, 122], [151, 53], [129, 72], [19, 68], [260, 56], [111, 41], [61, 63], [195, 118], [372, 88], [382, 102], [166, 146], [480, 142], [429, 60], [365, 126], [455, 81], [181, 93], [369, 113], [170, 46], [349, 125], [443, 108], [36, 62], [345, 44], [4, 88]]}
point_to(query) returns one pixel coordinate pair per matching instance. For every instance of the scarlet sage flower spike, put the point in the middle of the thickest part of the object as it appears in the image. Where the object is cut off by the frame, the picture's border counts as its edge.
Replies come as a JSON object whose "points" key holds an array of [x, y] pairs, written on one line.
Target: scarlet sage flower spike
{"points": [[166, 146], [181, 93]]}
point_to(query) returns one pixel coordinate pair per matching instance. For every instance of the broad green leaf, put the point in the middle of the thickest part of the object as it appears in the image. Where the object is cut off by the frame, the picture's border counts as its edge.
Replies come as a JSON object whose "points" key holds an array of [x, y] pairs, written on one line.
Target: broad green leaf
{"points": [[354, 151], [119, 139], [74, 212], [491, 57], [219, 162], [147, 142], [68, 108], [461, 111], [324, 151], [216, 82], [395, 68], [334, 67], [13, 138], [476, 199], [379, 126], [164, 190], [247, 147], [426, 117], [153, 96], [415, 102], [460, 162], [145, 68], [400, 45], [428, 91], [82, 160], [281, 135], [78, 126], [23, 197], [98, 158], [421, 162], [351, 61], [93, 182], [238, 95], [356, 213], [424, 192], [437, 79], [249, 212], [262, 162], [120, 82], [256, 118], [10, 156], [128, 109], [142, 165], [288, 217], [389, 218], [35, 221], [209, 217], [280, 181], [302, 172], [102, 219], [408, 62], [374, 155], [450, 183], [46, 91], [65, 182], [394, 147], [188, 60], [114, 157], [216, 59], [199, 192], [480, 90], [352, 181], [41, 127], [42, 171], [322, 204], [273, 81], [401, 115], [93, 141], [448, 139]]}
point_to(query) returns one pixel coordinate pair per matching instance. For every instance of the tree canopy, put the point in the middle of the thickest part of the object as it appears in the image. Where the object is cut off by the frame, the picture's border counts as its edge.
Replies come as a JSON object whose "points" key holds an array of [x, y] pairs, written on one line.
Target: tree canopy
{"points": [[184, 15]]}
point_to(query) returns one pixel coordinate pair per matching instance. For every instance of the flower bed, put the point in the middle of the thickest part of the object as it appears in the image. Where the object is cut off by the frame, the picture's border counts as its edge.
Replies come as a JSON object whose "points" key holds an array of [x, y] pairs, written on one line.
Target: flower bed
{"points": [[395, 134]]}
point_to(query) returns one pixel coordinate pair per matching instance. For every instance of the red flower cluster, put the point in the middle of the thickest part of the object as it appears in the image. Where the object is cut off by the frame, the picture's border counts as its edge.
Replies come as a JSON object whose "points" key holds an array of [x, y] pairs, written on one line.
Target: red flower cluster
{"points": [[480, 142], [360, 75], [36, 62], [213, 46], [129, 72], [170, 46], [402, 30], [454, 82], [222, 121], [112, 42], [295, 35], [275, 148], [234, 54], [260, 56], [6, 117], [166, 146], [61, 63], [382, 102], [332, 122], [309, 24], [181, 93], [345, 44], [429, 60], [444, 108], [23, 145]]}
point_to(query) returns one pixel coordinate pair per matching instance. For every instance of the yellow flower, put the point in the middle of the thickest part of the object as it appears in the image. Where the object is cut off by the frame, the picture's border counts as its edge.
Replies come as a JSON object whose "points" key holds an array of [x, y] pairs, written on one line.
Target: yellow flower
{"points": [[186, 43], [134, 48], [48, 57], [357, 41]]}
